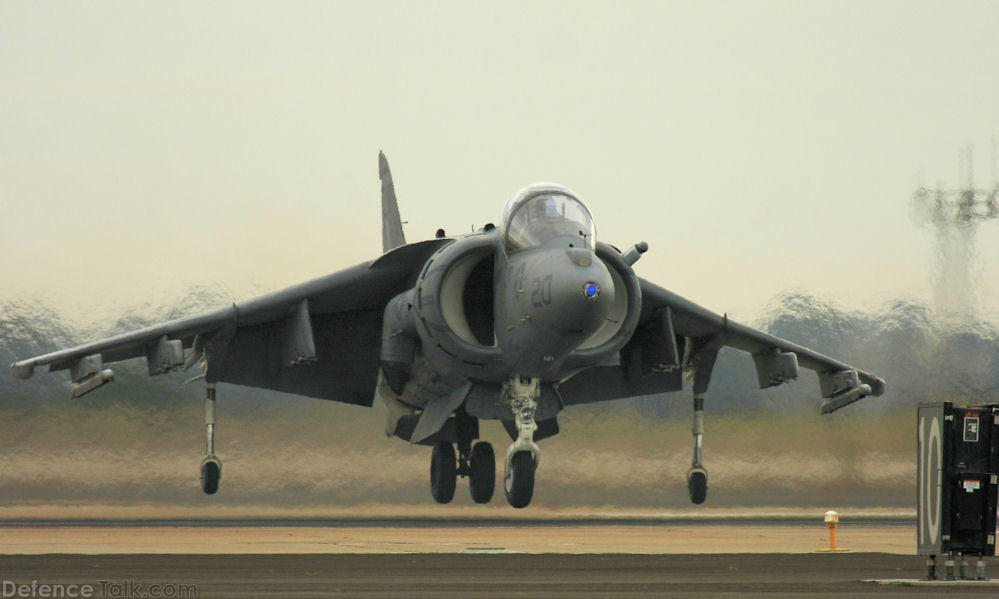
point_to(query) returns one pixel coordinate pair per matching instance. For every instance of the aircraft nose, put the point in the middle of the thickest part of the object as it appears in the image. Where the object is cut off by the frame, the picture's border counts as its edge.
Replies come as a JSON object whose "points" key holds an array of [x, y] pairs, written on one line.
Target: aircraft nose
{"points": [[584, 292]]}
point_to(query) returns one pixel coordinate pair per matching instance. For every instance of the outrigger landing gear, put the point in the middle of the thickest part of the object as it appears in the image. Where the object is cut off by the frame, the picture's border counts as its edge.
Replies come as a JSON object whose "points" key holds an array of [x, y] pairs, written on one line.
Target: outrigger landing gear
{"points": [[697, 476], [211, 466], [699, 361], [524, 454]]}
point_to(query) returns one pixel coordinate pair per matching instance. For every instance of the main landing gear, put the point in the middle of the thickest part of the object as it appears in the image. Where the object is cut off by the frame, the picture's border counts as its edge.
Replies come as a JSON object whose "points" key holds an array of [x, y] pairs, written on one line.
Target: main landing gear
{"points": [[477, 462], [482, 472], [443, 472]]}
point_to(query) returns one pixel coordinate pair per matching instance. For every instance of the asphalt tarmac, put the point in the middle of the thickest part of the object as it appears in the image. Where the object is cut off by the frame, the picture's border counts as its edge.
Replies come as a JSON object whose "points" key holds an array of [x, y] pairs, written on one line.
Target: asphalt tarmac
{"points": [[634, 536], [469, 559], [466, 576]]}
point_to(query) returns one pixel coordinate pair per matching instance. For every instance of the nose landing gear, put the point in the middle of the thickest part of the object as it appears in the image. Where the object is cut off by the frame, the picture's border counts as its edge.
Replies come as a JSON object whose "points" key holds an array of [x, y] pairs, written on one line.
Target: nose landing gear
{"points": [[523, 455]]}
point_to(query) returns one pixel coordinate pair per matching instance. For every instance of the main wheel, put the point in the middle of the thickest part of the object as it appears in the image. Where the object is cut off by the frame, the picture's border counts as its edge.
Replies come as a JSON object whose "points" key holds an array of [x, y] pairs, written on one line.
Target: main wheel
{"points": [[443, 472], [519, 479], [482, 478], [211, 472], [697, 485]]}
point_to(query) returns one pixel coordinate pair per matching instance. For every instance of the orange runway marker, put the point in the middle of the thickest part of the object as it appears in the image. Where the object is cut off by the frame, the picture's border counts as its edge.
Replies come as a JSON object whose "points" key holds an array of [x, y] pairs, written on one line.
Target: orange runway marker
{"points": [[832, 519]]}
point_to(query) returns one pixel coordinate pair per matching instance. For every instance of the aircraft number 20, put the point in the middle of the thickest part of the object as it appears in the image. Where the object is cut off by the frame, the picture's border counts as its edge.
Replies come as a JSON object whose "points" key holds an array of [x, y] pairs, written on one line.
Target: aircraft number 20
{"points": [[542, 292]]}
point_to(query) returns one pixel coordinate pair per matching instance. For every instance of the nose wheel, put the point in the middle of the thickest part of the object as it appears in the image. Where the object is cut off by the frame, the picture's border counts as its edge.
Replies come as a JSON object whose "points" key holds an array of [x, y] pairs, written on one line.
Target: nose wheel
{"points": [[519, 479]]}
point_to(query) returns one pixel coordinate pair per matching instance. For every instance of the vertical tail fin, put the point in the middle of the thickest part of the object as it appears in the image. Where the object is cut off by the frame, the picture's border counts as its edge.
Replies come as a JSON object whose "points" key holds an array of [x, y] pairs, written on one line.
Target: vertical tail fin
{"points": [[392, 235]]}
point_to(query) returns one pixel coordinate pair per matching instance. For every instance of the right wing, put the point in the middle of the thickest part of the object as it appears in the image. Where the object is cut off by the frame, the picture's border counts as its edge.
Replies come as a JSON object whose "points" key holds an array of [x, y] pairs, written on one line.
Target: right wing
{"points": [[676, 335], [319, 339]]}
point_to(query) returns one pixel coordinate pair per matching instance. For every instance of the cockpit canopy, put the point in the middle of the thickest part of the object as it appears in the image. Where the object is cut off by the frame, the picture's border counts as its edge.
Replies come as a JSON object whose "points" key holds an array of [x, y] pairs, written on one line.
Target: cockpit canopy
{"points": [[541, 213]]}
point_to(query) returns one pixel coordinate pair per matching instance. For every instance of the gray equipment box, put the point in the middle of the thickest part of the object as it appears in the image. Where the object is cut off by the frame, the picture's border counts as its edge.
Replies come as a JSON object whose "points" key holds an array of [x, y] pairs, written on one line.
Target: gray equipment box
{"points": [[957, 468]]}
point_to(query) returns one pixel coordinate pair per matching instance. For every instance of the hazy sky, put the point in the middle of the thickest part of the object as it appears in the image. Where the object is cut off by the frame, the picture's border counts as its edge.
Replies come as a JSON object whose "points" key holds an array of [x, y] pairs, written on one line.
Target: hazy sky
{"points": [[757, 147]]}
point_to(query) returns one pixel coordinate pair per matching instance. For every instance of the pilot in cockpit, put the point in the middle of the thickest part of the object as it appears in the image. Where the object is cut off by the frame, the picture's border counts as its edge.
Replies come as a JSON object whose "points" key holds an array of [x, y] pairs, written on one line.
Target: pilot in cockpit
{"points": [[533, 220]]}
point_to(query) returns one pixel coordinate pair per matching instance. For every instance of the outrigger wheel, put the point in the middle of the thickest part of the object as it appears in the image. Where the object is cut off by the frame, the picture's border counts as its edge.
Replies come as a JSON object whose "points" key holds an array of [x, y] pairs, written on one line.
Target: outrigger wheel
{"points": [[211, 472], [443, 472], [519, 479], [697, 485]]}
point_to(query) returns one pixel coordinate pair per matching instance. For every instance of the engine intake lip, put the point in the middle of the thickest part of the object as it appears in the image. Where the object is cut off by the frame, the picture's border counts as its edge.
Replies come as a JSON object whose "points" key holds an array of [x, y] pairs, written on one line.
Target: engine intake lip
{"points": [[441, 322]]}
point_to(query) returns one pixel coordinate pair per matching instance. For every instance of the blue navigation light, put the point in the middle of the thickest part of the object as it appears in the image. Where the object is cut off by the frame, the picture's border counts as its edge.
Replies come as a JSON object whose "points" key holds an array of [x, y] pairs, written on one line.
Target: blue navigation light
{"points": [[591, 290]]}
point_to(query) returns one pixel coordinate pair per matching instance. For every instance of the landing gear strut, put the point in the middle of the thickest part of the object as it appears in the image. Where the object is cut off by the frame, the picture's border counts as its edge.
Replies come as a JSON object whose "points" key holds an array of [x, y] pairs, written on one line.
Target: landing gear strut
{"points": [[211, 466], [524, 454], [699, 361]]}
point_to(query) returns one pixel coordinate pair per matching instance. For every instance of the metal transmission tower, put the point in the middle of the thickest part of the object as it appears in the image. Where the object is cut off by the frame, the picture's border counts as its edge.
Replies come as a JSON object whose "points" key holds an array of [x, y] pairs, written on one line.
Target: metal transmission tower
{"points": [[954, 215]]}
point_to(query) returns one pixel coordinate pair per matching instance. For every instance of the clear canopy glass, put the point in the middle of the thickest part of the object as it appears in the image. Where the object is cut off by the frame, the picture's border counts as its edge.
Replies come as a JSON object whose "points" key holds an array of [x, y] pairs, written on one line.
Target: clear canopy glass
{"points": [[545, 216]]}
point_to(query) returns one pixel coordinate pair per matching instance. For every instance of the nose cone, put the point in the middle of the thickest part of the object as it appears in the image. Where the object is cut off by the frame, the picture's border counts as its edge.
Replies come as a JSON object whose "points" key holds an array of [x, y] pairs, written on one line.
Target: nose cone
{"points": [[582, 294]]}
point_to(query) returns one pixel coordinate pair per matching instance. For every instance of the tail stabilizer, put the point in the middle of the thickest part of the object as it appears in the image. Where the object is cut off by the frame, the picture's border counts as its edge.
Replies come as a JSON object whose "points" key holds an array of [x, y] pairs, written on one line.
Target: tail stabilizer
{"points": [[392, 235]]}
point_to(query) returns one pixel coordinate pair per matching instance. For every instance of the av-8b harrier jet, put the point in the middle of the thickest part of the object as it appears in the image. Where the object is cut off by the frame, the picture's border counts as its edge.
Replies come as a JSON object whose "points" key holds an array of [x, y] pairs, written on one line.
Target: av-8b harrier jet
{"points": [[512, 323]]}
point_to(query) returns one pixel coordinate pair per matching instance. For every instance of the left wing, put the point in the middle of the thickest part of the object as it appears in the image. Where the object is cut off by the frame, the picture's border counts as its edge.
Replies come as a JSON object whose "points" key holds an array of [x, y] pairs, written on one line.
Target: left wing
{"points": [[653, 360], [318, 339]]}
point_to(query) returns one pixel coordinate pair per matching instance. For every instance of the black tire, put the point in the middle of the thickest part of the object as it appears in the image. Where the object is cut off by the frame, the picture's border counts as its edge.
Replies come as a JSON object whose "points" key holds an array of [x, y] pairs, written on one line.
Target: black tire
{"points": [[519, 481], [697, 486], [443, 472], [211, 472], [482, 478]]}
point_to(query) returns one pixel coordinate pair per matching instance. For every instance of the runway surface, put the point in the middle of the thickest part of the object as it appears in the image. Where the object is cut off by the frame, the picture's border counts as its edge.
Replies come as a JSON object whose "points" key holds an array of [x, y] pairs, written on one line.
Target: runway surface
{"points": [[465, 576], [470, 558], [648, 536]]}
